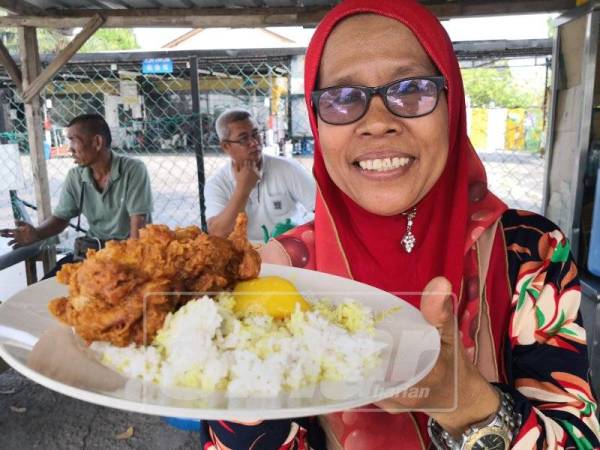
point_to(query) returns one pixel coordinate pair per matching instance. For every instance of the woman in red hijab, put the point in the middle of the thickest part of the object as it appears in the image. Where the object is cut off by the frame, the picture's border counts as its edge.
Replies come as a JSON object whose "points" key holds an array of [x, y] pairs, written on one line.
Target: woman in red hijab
{"points": [[403, 205]]}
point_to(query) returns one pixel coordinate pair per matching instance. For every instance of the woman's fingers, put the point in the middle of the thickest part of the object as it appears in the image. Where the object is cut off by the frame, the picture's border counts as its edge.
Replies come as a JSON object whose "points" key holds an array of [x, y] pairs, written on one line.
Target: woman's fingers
{"points": [[436, 306]]}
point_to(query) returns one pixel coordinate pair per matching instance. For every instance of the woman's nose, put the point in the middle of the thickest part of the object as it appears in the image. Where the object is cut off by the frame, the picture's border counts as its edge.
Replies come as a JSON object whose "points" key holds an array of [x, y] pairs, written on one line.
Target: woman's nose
{"points": [[378, 120]]}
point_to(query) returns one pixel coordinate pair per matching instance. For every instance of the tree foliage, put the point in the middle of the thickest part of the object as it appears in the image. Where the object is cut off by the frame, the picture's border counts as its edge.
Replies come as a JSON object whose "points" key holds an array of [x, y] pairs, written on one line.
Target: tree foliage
{"points": [[497, 87], [107, 39], [52, 41]]}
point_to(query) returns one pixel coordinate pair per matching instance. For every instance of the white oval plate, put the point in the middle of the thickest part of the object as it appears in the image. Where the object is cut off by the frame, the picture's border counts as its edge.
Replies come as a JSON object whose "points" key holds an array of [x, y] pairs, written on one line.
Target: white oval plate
{"points": [[34, 344]]}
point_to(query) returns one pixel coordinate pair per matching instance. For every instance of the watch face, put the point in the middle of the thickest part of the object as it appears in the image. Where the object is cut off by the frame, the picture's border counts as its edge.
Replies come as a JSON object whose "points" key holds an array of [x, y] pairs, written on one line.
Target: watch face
{"points": [[490, 442]]}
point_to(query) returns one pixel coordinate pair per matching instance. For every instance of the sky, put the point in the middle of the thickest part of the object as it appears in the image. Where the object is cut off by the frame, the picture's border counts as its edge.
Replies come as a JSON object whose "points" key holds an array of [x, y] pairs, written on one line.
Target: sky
{"points": [[531, 26]]}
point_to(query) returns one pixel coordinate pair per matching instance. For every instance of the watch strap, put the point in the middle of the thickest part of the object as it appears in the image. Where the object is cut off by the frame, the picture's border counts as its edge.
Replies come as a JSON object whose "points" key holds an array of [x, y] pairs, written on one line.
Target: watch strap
{"points": [[506, 419]]}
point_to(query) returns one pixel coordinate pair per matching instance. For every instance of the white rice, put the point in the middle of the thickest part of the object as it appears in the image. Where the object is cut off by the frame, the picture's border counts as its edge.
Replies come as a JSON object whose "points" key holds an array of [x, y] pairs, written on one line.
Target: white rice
{"points": [[205, 345]]}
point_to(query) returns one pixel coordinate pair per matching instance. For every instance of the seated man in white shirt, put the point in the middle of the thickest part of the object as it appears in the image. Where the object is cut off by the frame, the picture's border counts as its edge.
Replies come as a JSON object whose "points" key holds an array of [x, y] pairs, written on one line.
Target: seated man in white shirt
{"points": [[269, 189]]}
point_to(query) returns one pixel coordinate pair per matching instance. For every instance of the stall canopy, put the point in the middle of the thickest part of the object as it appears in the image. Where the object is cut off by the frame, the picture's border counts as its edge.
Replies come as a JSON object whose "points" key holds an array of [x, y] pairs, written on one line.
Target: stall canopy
{"points": [[90, 15]]}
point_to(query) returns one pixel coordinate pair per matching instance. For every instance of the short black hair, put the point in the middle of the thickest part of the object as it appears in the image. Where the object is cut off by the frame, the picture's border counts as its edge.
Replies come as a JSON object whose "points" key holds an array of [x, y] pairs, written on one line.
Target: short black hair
{"points": [[93, 124]]}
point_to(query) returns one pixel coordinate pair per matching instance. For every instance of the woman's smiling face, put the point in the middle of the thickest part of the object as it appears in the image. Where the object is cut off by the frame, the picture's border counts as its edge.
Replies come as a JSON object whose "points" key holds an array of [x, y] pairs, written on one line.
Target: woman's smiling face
{"points": [[383, 162]]}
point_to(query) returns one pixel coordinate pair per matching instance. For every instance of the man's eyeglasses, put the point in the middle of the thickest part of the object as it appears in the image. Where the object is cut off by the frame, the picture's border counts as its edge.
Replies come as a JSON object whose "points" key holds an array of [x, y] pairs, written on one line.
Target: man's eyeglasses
{"points": [[408, 97], [256, 136]]}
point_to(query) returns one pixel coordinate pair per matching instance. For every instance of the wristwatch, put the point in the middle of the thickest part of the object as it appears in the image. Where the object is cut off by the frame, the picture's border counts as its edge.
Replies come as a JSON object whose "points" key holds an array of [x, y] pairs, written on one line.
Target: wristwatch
{"points": [[494, 433]]}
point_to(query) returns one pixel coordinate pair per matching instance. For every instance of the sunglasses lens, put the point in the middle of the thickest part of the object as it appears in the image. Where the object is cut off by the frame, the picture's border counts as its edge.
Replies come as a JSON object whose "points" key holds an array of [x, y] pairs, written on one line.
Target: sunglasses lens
{"points": [[341, 105], [410, 98]]}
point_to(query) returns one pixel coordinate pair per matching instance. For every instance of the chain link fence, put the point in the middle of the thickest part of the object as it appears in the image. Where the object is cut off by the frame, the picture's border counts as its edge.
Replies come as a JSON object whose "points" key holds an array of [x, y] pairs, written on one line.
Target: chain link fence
{"points": [[510, 144], [511, 141], [153, 117], [167, 121]]}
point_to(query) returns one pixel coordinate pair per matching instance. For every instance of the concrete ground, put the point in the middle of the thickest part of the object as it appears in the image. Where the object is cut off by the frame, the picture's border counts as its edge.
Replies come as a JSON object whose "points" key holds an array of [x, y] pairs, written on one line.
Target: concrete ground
{"points": [[33, 417]]}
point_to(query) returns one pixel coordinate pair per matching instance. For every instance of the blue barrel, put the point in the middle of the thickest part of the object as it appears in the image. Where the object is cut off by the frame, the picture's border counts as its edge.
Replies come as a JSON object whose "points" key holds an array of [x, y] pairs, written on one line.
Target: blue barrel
{"points": [[594, 251], [47, 151], [183, 424]]}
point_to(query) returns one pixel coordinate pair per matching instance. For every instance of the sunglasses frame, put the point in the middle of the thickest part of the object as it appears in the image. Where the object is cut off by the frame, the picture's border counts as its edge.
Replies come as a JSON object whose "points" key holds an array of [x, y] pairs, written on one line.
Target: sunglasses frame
{"points": [[260, 138], [438, 80]]}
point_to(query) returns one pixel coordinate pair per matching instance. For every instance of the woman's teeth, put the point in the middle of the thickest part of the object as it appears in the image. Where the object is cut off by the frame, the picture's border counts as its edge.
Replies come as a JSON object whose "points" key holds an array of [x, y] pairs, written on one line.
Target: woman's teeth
{"points": [[381, 165]]}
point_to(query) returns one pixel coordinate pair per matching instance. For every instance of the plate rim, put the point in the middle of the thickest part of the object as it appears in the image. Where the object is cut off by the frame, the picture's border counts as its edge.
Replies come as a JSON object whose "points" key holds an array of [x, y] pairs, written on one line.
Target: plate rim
{"points": [[105, 399]]}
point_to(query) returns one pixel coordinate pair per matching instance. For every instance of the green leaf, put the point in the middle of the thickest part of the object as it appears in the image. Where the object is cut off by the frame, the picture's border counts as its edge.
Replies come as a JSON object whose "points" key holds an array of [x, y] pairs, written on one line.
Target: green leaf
{"points": [[523, 293], [539, 315], [580, 442], [589, 406], [559, 323], [567, 331], [534, 293], [561, 252]]}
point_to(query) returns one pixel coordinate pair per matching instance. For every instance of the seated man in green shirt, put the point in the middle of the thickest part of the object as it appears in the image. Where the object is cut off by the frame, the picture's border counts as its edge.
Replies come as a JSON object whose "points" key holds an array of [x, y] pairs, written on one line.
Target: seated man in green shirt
{"points": [[110, 190]]}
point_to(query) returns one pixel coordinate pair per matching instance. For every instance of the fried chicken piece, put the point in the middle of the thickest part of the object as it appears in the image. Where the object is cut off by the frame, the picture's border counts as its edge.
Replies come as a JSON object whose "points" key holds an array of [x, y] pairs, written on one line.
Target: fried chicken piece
{"points": [[157, 273]]}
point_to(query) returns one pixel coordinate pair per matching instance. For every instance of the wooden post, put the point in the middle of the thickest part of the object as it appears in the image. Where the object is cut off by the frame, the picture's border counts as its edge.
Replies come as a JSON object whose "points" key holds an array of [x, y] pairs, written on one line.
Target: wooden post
{"points": [[31, 68]]}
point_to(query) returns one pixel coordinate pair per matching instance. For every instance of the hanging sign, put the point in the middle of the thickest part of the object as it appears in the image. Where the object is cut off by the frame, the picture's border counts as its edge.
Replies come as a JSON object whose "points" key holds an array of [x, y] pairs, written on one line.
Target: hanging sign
{"points": [[157, 65]]}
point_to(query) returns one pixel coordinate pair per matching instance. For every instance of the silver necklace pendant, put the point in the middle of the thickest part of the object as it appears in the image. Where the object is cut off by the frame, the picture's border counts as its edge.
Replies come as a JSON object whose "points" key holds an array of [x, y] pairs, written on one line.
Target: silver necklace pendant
{"points": [[409, 240]]}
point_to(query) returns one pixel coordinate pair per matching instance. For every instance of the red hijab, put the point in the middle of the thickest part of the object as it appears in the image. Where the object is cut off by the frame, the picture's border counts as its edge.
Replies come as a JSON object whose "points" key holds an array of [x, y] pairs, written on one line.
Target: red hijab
{"points": [[349, 241], [449, 218]]}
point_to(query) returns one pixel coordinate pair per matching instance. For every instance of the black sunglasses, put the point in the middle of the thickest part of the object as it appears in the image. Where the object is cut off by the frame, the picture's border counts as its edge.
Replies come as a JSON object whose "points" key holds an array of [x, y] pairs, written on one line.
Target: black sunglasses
{"points": [[407, 97]]}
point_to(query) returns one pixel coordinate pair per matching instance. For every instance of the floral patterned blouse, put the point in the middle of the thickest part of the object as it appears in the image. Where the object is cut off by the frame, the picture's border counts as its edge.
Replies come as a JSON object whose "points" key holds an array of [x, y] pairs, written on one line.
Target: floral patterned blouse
{"points": [[546, 348]]}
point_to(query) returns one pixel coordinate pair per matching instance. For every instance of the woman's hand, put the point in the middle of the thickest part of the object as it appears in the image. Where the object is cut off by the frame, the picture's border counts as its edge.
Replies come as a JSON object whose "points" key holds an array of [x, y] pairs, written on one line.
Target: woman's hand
{"points": [[454, 384]]}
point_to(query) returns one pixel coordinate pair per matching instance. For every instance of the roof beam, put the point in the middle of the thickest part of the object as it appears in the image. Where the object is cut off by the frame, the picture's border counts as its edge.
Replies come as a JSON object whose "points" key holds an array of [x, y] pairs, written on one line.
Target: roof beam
{"points": [[173, 17], [62, 58], [447, 10], [20, 7], [121, 3], [476, 50], [184, 37], [10, 66], [255, 17], [464, 51]]}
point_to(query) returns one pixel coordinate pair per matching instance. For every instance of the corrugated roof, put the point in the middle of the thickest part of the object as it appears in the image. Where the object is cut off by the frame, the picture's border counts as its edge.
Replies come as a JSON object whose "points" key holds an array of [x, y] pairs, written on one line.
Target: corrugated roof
{"points": [[138, 4], [233, 13], [508, 6]]}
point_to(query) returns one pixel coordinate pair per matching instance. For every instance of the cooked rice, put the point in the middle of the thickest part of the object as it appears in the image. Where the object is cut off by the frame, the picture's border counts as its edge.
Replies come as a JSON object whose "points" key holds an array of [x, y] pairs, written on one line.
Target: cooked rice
{"points": [[205, 345]]}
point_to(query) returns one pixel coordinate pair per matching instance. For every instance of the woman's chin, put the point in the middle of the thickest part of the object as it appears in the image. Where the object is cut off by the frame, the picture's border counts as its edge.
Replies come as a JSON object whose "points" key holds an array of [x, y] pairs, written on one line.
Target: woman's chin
{"points": [[383, 205]]}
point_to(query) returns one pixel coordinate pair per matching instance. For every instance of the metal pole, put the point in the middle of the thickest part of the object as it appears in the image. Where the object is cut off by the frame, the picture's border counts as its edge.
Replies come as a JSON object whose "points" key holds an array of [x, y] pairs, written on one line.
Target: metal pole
{"points": [[588, 76], [289, 101], [197, 137], [551, 121]]}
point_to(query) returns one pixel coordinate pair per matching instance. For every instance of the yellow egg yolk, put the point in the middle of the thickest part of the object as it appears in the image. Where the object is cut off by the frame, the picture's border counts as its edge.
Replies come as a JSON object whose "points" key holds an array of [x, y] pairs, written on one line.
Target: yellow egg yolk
{"points": [[272, 295]]}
